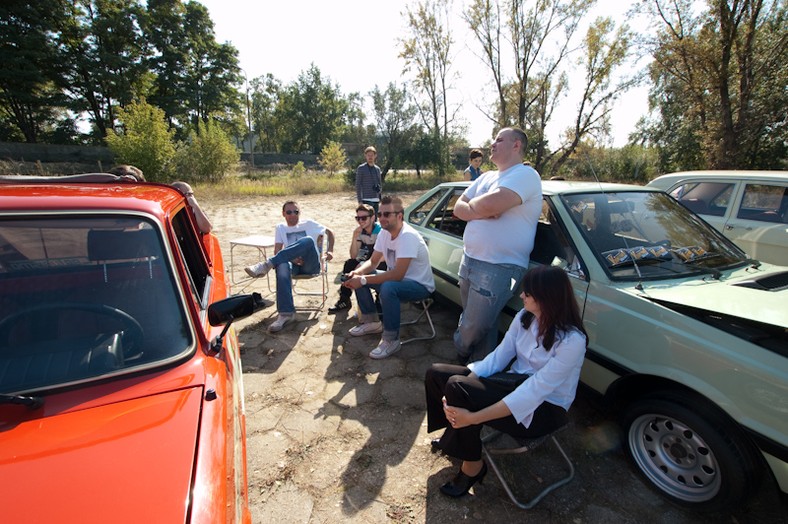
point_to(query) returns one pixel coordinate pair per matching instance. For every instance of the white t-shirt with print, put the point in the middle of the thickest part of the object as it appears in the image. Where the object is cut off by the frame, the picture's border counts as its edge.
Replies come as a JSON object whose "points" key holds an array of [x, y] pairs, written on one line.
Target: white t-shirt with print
{"points": [[408, 244], [287, 235]]}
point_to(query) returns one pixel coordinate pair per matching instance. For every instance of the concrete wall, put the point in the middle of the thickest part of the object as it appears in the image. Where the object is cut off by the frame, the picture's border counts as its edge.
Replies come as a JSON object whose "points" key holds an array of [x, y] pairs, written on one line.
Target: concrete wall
{"points": [[54, 153]]}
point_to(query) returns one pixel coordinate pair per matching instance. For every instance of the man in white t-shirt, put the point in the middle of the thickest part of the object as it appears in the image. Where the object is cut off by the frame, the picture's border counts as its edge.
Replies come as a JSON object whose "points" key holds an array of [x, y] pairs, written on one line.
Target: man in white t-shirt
{"points": [[502, 209], [408, 277], [295, 253]]}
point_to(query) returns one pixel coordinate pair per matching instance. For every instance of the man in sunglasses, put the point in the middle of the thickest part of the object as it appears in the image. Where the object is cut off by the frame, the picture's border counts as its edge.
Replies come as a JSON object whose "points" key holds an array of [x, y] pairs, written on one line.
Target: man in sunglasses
{"points": [[296, 252], [361, 246], [408, 277]]}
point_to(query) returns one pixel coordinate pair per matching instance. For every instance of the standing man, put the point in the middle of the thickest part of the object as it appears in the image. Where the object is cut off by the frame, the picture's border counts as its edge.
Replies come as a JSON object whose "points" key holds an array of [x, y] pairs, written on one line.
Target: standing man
{"points": [[408, 278], [369, 184], [474, 169], [502, 209], [361, 246], [296, 252]]}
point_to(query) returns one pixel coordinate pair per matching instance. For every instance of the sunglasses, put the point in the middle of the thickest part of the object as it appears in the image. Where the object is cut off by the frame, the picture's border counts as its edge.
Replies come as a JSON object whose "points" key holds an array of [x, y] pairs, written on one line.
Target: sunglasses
{"points": [[387, 214], [361, 219], [292, 212]]}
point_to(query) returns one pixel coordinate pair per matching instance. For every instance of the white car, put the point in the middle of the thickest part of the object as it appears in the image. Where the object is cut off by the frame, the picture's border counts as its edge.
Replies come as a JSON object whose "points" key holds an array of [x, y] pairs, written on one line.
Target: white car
{"points": [[749, 207]]}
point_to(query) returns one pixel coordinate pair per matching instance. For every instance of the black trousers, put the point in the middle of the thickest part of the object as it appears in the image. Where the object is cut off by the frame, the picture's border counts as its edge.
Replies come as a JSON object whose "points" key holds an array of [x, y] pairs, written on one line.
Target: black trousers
{"points": [[474, 394]]}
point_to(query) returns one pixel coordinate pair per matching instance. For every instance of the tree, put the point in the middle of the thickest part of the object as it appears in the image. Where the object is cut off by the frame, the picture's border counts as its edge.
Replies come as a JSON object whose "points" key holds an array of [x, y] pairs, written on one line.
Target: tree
{"points": [[427, 52], [208, 154], [30, 99], [104, 53], [310, 113], [394, 115], [196, 77], [265, 96], [719, 76], [605, 50], [332, 158], [144, 141]]}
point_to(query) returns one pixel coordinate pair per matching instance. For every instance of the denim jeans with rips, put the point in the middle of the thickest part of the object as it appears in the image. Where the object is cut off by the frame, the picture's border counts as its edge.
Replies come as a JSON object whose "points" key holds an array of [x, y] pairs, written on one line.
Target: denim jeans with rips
{"points": [[485, 289], [304, 248]]}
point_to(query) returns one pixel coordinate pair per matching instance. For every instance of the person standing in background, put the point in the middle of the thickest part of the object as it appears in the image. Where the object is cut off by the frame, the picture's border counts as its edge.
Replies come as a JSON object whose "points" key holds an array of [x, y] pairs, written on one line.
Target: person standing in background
{"points": [[369, 183], [474, 169]]}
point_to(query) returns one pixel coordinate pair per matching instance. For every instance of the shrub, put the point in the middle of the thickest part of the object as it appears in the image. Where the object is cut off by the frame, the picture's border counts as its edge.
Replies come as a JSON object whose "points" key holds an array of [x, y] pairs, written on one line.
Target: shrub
{"points": [[207, 155], [332, 157], [299, 170], [145, 141]]}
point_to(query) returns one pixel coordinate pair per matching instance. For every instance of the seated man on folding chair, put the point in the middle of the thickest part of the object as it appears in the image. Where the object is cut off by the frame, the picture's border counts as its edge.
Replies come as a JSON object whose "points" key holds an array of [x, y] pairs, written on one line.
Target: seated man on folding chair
{"points": [[295, 253], [545, 344], [408, 277]]}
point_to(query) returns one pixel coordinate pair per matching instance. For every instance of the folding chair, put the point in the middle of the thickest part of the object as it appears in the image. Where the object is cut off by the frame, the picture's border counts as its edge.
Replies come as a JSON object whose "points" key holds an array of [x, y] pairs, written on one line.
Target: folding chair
{"points": [[525, 445], [424, 311], [323, 276]]}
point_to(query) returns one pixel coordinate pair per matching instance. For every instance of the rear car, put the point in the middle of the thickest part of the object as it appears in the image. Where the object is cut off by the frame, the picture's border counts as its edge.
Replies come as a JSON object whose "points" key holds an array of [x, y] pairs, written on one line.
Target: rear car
{"points": [[748, 207], [688, 337], [119, 401]]}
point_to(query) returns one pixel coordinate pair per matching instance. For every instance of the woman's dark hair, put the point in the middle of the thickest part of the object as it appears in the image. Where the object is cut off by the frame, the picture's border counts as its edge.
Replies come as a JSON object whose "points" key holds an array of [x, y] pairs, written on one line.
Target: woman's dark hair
{"points": [[550, 287]]}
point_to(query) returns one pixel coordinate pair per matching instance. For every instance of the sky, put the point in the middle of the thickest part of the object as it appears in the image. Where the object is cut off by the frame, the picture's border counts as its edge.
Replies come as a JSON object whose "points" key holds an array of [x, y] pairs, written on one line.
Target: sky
{"points": [[355, 44]]}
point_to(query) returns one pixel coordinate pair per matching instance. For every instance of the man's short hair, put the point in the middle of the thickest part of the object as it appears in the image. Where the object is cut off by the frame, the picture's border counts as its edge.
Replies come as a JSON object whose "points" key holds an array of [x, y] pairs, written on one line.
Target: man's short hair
{"points": [[371, 148], [519, 134], [475, 153], [366, 207], [392, 200], [289, 203]]}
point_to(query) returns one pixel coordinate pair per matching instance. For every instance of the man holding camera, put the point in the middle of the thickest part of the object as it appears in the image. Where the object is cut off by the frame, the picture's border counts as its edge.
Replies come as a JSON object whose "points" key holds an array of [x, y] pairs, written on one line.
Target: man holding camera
{"points": [[369, 183]]}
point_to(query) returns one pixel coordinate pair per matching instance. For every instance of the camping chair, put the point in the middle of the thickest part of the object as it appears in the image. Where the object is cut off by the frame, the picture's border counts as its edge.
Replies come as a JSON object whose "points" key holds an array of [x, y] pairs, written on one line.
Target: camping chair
{"points": [[323, 276], [424, 311]]}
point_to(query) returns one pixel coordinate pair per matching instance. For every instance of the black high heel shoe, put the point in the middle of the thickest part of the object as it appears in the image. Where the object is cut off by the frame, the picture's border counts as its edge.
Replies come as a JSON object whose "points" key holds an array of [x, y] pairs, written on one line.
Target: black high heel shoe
{"points": [[461, 483]]}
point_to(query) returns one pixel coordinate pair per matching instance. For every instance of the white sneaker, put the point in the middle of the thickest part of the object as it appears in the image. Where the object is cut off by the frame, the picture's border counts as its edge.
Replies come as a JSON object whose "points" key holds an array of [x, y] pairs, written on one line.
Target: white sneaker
{"points": [[386, 348], [260, 269], [280, 322], [367, 329]]}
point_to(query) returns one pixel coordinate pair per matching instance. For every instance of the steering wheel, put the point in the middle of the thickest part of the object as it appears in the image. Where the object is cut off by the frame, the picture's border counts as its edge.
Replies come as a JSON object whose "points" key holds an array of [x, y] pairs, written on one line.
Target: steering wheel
{"points": [[132, 337]]}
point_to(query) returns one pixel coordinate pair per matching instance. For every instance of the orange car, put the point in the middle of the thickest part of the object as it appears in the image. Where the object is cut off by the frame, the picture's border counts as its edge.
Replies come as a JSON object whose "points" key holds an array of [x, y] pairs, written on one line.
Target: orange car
{"points": [[121, 397]]}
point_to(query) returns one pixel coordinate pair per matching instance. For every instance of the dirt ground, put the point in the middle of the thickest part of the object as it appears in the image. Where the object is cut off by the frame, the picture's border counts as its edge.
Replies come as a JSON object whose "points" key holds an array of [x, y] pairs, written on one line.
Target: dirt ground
{"points": [[334, 436]]}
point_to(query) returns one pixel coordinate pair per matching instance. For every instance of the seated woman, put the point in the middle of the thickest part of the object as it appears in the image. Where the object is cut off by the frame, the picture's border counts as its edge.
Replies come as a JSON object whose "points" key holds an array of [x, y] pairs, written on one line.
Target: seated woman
{"points": [[546, 343]]}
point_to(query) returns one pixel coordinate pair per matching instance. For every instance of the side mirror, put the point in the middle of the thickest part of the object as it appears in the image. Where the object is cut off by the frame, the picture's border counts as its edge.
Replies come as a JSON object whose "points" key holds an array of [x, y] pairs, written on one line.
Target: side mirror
{"points": [[224, 312], [234, 308]]}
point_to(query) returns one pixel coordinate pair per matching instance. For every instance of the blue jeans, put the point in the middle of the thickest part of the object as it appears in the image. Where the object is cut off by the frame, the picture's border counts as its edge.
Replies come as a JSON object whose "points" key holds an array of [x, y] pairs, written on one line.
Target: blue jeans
{"points": [[485, 289], [392, 294], [306, 249]]}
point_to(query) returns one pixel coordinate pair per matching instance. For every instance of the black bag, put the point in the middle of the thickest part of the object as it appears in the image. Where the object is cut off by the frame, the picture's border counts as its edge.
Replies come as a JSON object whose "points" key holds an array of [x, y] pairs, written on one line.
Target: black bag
{"points": [[505, 380]]}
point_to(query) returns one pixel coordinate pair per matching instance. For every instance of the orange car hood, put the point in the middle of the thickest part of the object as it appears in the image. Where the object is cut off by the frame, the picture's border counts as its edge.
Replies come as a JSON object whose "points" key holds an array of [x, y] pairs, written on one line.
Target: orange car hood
{"points": [[129, 461]]}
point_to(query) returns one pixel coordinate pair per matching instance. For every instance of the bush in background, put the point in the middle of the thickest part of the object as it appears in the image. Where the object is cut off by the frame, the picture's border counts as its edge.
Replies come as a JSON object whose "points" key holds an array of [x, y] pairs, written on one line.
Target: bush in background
{"points": [[207, 155], [332, 157], [144, 141]]}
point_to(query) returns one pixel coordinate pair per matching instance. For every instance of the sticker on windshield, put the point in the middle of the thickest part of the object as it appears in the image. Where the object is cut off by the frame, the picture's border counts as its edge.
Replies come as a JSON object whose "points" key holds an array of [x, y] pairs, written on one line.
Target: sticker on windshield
{"points": [[689, 253]]}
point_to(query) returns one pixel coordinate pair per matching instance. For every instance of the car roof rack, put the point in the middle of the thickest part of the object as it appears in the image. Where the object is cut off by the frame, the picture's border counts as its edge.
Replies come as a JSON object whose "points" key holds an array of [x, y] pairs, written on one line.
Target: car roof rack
{"points": [[82, 178]]}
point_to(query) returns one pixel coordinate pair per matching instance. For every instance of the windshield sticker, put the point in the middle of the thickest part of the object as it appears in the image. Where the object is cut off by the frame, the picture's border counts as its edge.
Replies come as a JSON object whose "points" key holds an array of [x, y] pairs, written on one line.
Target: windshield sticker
{"points": [[689, 253]]}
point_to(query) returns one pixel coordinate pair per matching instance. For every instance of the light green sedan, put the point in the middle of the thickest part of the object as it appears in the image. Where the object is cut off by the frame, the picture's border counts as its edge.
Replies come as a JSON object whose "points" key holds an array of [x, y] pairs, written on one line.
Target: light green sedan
{"points": [[688, 338]]}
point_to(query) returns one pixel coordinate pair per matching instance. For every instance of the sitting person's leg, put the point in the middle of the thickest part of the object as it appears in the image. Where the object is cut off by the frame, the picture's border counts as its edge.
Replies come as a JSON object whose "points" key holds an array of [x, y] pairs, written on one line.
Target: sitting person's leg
{"points": [[392, 295], [303, 248], [344, 292]]}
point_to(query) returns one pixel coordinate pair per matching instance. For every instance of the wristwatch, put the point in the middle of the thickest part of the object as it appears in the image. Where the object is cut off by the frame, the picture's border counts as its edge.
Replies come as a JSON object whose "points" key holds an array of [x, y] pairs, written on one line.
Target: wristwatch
{"points": [[363, 280]]}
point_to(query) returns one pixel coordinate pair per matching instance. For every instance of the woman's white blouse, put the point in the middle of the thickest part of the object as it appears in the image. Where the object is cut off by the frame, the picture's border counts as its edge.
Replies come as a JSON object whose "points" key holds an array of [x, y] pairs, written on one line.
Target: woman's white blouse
{"points": [[554, 373]]}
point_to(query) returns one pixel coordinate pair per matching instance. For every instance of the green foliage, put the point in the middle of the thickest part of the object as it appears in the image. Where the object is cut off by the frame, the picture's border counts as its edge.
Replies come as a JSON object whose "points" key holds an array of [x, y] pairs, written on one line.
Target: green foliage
{"points": [[207, 155], [310, 112], [718, 83], [299, 170], [629, 164], [145, 141], [332, 157]]}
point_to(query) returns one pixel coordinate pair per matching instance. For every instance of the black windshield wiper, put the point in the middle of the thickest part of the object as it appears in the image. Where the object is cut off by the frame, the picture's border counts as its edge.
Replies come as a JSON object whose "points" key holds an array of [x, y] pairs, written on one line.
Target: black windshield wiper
{"points": [[22, 400]]}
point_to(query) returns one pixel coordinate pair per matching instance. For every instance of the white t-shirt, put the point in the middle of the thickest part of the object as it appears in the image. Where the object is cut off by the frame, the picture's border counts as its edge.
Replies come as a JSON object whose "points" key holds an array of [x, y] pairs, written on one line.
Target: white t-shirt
{"points": [[508, 239], [287, 235], [408, 244]]}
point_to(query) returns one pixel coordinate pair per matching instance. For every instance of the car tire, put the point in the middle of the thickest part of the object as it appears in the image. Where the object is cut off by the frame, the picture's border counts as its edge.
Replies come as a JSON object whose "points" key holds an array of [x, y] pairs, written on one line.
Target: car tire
{"points": [[690, 452]]}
